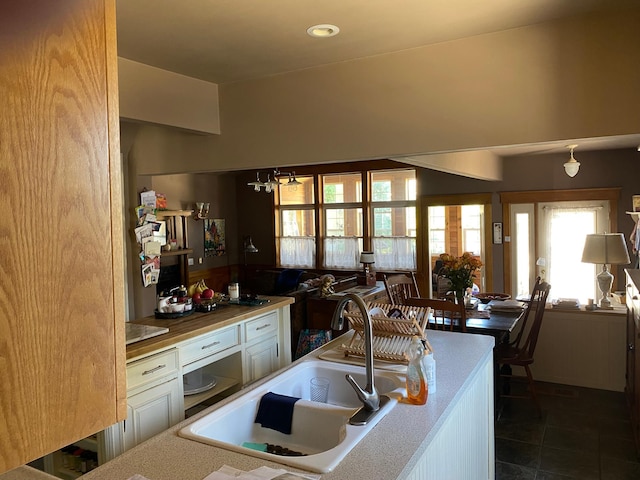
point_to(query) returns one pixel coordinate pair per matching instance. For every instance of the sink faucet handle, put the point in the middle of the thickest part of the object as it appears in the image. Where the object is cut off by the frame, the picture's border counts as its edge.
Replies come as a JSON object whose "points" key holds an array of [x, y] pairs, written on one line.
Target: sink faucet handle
{"points": [[368, 396]]}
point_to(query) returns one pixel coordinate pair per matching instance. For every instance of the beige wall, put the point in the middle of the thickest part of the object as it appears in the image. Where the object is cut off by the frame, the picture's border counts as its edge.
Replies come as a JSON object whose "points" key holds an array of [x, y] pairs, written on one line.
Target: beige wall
{"points": [[154, 95], [554, 81]]}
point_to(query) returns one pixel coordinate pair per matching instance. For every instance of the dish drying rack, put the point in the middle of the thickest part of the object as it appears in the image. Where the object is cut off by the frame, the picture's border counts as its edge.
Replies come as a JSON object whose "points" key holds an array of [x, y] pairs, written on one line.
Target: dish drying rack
{"points": [[391, 336]]}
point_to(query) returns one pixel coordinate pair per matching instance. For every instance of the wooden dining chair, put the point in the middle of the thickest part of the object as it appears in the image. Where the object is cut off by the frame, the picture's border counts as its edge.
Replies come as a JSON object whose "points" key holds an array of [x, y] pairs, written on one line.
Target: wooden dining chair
{"points": [[400, 287], [446, 315], [520, 352]]}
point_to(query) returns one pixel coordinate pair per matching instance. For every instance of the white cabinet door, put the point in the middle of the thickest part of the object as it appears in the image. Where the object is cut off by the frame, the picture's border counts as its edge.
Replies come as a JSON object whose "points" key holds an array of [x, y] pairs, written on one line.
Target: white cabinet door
{"points": [[261, 359], [152, 411]]}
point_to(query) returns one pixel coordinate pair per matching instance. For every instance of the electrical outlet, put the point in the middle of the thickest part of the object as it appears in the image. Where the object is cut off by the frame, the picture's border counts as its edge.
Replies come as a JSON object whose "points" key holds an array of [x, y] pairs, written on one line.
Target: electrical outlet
{"points": [[190, 261], [200, 260]]}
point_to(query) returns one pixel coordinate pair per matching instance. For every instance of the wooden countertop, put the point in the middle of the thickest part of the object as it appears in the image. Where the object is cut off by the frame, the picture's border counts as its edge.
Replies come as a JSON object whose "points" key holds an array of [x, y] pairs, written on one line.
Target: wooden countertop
{"points": [[181, 329]]}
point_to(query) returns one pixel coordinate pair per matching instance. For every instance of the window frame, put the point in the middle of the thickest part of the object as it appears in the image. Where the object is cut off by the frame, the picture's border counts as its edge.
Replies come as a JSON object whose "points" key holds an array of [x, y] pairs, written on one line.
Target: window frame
{"points": [[366, 205], [424, 257]]}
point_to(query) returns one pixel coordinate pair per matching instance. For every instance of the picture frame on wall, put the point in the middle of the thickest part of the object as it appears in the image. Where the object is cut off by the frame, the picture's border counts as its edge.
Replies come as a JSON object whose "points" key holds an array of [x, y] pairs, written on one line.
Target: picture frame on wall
{"points": [[214, 237]]}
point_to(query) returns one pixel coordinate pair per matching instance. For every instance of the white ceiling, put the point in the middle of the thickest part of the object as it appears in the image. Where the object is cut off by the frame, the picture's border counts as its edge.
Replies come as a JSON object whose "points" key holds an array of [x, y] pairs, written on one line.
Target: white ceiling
{"points": [[224, 41]]}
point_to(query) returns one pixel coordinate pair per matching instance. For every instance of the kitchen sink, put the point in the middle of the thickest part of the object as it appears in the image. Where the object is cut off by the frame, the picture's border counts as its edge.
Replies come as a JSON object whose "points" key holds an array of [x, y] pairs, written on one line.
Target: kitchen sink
{"points": [[321, 435]]}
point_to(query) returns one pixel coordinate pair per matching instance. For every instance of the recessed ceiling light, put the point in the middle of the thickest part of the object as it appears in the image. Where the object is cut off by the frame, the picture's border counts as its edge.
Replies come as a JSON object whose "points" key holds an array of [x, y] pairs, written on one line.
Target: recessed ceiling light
{"points": [[323, 30]]}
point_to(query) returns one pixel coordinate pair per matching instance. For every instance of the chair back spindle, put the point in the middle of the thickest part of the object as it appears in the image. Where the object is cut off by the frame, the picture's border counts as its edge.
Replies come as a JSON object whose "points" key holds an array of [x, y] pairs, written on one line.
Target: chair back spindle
{"points": [[446, 315], [400, 287]]}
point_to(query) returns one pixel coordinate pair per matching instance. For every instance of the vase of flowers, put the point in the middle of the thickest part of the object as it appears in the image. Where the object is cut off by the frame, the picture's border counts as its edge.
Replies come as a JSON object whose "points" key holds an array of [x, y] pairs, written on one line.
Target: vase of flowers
{"points": [[460, 271]]}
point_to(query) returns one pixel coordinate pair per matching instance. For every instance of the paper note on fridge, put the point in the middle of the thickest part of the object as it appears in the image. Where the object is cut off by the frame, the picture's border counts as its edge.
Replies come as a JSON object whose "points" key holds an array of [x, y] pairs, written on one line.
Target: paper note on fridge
{"points": [[152, 249]]}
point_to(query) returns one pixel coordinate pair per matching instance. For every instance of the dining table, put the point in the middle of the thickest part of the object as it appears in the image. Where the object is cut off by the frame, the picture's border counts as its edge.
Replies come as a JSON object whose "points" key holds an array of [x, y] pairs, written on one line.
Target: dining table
{"points": [[500, 323]]}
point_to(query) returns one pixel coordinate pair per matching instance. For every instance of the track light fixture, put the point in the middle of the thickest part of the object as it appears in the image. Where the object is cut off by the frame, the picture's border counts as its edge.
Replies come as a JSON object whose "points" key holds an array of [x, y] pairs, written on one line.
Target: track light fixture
{"points": [[270, 185]]}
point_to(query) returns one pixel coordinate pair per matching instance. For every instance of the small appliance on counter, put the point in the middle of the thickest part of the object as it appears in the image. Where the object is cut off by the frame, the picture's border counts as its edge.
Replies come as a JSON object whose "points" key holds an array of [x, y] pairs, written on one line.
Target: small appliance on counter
{"points": [[174, 303]]}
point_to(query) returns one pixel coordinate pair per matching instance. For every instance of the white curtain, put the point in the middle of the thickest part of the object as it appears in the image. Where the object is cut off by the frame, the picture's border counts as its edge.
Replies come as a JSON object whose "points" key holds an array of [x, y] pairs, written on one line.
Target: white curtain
{"points": [[298, 252], [566, 229], [392, 253], [342, 252]]}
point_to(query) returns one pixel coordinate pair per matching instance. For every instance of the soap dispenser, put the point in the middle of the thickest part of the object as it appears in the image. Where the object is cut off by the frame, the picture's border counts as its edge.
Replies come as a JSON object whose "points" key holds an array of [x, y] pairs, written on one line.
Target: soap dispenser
{"points": [[417, 388]]}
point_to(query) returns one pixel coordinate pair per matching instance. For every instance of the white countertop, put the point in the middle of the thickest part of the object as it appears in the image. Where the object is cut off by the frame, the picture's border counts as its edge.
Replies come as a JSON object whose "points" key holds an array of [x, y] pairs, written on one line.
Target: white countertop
{"points": [[389, 451]]}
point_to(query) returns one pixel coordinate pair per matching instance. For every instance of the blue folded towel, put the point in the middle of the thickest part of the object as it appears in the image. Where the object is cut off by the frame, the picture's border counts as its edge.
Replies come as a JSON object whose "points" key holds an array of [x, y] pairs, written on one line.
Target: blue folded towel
{"points": [[276, 412]]}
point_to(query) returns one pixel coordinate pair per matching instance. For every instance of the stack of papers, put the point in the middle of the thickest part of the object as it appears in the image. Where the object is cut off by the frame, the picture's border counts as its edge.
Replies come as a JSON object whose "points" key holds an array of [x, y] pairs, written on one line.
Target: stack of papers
{"points": [[506, 305], [262, 473]]}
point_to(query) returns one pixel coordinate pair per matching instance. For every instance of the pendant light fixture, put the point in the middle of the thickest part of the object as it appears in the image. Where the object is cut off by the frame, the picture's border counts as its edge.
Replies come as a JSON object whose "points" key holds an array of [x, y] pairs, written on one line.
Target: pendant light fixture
{"points": [[572, 166], [257, 184]]}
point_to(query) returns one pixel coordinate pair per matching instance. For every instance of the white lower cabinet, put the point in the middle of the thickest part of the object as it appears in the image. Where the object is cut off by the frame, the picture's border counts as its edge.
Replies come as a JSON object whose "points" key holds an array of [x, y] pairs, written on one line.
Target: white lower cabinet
{"points": [[154, 397], [234, 356], [152, 411], [261, 359], [261, 347]]}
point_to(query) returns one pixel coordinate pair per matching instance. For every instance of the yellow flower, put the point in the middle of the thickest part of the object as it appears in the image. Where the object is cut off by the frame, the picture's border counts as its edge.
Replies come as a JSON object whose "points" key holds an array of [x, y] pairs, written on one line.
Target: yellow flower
{"points": [[460, 270]]}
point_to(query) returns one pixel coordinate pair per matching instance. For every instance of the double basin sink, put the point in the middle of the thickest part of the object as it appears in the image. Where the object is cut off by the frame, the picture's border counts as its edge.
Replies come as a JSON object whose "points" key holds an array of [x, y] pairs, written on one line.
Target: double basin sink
{"points": [[321, 435]]}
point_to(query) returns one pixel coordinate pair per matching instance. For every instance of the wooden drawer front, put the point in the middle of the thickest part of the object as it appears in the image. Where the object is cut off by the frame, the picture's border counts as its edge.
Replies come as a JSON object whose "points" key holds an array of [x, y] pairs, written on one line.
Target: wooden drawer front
{"points": [[209, 344], [259, 326], [152, 368]]}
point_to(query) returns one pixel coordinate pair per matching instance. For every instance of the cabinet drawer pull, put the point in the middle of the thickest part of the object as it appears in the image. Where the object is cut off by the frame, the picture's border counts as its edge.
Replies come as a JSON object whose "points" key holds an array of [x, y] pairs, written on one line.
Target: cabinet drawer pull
{"points": [[266, 325], [204, 347], [159, 367]]}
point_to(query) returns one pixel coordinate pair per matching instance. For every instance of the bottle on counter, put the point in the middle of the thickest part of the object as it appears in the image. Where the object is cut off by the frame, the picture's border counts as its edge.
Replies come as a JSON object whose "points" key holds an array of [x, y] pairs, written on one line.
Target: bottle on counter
{"points": [[417, 387], [430, 370]]}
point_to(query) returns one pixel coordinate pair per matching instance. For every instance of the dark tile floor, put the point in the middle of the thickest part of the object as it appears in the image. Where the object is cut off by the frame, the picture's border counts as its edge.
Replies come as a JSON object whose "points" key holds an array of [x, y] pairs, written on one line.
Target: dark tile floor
{"points": [[583, 434]]}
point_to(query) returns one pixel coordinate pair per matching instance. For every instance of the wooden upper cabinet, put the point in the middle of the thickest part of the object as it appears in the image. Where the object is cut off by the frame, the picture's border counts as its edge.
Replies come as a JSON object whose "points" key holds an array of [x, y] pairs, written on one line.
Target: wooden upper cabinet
{"points": [[62, 346]]}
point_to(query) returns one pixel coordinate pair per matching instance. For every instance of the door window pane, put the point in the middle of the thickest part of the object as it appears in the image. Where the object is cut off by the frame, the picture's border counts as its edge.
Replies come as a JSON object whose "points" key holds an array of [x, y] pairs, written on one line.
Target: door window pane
{"points": [[456, 229], [437, 224], [523, 260], [471, 219]]}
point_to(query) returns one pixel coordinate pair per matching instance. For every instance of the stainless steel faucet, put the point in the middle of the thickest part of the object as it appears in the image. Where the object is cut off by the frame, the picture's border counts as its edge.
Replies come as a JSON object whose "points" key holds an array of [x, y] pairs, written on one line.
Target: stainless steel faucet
{"points": [[371, 400]]}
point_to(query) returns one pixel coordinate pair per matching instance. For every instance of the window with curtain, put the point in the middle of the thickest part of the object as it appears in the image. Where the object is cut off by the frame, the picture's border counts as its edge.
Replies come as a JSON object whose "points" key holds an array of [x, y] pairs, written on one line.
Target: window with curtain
{"points": [[342, 207], [297, 229], [366, 210], [393, 207], [563, 229]]}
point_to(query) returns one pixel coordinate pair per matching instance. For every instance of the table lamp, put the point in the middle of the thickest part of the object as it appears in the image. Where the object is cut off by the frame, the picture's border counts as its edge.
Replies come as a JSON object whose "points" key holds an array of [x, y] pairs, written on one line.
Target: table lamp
{"points": [[605, 248], [367, 259]]}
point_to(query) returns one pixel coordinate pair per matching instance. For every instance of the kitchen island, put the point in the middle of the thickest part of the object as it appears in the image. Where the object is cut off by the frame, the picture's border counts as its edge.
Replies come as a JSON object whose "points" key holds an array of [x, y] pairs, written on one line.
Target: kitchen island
{"points": [[410, 442]]}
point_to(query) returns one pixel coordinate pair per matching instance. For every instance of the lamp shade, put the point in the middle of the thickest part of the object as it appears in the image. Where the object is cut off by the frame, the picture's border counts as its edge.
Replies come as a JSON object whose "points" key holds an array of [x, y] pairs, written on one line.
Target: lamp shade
{"points": [[367, 257], [571, 167], [249, 247], [605, 248]]}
